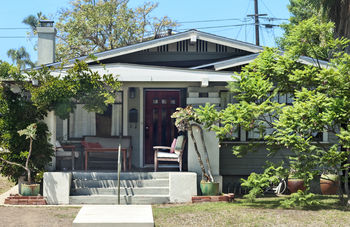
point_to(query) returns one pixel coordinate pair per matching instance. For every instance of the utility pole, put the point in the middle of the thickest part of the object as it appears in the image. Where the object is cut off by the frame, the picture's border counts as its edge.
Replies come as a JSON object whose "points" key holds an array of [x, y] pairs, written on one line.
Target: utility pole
{"points": [[256, 17]]}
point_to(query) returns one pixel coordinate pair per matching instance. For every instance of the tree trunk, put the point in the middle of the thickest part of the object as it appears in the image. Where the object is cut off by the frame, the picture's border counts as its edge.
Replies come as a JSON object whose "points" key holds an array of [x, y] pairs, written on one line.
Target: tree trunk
{"points": [[27, 161], [346, 179], [339, 13], [204, 174], [340, 191], [206, 153]]}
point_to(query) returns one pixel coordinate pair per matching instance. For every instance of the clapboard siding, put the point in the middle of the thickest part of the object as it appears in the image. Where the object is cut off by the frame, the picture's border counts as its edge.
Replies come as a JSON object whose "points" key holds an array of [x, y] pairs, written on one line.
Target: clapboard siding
{"points": [[251, 162]]}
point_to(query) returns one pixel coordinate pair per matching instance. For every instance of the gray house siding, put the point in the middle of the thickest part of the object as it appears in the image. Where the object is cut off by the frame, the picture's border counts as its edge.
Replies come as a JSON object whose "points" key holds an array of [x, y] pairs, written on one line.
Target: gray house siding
{"points": [[251, 162]]}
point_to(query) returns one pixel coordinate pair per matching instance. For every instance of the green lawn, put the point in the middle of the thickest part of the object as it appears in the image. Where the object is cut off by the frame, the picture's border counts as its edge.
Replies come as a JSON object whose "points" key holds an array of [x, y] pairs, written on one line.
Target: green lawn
{"points": [[264, 212]]}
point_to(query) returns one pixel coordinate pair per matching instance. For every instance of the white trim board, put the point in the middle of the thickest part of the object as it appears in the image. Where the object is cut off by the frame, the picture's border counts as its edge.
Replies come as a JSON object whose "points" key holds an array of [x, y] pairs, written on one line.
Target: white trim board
{"points": [[142, 73], [237, 61]]}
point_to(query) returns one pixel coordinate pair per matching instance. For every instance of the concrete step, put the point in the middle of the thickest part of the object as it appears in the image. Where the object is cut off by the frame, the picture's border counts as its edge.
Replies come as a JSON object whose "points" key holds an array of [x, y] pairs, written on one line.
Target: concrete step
{"points": [[123, 183], [108, 199], [123, 191], [123, 175]]}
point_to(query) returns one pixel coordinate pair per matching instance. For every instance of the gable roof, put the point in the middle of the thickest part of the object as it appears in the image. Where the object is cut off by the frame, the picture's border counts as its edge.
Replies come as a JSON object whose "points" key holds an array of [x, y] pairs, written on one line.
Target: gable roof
{"points": [[238, 61], [193, 35]]}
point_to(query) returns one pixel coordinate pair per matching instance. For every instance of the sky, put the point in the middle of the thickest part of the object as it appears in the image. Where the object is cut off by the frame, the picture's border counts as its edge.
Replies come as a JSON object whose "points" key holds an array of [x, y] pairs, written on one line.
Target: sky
{"points": [[223, 17]]}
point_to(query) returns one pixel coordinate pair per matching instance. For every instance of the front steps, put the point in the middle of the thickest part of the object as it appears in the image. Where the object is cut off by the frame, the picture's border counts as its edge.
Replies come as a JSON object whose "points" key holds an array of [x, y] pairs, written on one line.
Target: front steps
{"points": [[135, 188]]}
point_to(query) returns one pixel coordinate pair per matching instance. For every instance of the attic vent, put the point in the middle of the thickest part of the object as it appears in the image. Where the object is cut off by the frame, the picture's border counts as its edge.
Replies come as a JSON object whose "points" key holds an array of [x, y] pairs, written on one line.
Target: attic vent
{"points": [[182, 46], [164, 48], [221, 48], [202, 46], [237, 50]]}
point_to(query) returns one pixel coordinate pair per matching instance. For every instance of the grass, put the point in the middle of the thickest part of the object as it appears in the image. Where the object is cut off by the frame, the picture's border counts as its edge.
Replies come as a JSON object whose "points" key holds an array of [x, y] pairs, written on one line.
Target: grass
{"points": [[263, 212]]}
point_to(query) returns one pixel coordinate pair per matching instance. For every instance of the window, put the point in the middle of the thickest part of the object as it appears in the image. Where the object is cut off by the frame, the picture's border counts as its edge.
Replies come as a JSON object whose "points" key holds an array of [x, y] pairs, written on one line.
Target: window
{"points": [[84, 123], [227, 98]]}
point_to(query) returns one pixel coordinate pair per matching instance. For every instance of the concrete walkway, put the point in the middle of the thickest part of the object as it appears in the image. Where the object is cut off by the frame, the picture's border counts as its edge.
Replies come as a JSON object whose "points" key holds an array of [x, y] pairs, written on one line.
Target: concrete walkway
{"points": [[13, 190], [114, 215]]}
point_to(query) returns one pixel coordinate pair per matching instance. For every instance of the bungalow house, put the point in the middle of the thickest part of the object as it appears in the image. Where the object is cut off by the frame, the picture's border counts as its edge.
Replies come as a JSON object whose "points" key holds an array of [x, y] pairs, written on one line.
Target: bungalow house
{"points": [[187, 68]]}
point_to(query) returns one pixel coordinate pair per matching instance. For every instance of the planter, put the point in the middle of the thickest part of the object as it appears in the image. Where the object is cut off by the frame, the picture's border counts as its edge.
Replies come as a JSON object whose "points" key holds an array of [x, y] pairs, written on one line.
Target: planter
{"points": [[209, 188], [296, 184], [329, 184], [30, 189]]}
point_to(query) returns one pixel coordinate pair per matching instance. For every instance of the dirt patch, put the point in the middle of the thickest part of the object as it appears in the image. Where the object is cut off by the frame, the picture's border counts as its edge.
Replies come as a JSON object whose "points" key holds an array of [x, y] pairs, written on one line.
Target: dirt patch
{"points": [[37, 216], [5, 184]]}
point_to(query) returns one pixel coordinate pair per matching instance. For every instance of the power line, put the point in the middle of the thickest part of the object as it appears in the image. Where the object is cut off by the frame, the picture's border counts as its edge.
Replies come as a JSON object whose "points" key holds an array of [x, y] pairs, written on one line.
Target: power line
{"points": [[267, 7], [15, 37], [214, 20], [14, 28], [220, 26]]}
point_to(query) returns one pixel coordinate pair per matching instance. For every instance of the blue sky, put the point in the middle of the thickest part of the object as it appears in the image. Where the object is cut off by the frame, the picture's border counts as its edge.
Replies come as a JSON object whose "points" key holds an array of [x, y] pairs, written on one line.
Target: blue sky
{"points": [[237, 27]]}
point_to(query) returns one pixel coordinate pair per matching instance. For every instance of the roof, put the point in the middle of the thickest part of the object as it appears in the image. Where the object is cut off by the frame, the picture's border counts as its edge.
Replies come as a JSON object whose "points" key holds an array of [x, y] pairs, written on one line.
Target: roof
{"points": [[230, 63], [193, 35]]}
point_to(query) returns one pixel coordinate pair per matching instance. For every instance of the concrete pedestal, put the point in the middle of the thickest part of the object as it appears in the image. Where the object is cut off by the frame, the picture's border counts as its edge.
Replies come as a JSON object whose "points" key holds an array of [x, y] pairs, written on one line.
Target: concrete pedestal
{"points": [[114, 215]]}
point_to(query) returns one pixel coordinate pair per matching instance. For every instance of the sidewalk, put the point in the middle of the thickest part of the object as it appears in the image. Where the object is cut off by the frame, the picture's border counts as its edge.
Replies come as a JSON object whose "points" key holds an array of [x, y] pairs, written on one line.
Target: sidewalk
{"points": [[13, 190]]}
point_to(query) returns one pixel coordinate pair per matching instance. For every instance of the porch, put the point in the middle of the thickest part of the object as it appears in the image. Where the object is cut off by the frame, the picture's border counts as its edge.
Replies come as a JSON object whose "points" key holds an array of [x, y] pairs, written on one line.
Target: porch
{"points": [[142, 111]]}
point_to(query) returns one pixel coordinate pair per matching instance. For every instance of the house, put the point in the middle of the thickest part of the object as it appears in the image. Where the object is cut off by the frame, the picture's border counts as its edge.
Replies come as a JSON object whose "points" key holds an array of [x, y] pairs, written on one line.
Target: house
{"points": [[188, 68]]}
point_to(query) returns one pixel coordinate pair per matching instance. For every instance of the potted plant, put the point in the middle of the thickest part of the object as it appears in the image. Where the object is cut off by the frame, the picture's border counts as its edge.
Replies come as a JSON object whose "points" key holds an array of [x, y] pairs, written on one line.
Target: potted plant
{"points": [[187, 120], [329, 183], [295, 182], [28, 188]]}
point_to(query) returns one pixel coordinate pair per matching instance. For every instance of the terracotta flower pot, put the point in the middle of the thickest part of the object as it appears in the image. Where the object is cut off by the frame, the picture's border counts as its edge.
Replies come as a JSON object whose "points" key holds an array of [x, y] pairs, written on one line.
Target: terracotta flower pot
{"points": [[296, 184], [209, 188], [329, 184]]}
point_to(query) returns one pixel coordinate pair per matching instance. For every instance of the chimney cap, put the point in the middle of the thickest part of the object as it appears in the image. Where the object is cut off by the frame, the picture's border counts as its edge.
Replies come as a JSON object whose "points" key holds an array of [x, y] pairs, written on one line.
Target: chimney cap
{"points": [[46, 23]]}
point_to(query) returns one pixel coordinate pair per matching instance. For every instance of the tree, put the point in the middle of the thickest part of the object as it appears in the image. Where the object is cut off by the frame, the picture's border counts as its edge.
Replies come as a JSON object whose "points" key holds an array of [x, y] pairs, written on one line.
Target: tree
{"points": [[187, 120], [321, 103], [33, 21], [20, 57], [16, 113], [335, 11], [90, 26], [30, 133], [57, 90]]}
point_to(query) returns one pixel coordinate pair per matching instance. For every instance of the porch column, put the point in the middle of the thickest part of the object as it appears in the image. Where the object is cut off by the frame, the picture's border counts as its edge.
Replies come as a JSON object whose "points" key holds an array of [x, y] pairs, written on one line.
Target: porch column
{"points": [[213, 148], [210, 139], [50, 121]]}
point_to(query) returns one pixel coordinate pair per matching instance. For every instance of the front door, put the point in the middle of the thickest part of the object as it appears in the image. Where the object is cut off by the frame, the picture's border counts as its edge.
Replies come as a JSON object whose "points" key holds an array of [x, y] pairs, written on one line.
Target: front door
{"points": [[159, 126]]}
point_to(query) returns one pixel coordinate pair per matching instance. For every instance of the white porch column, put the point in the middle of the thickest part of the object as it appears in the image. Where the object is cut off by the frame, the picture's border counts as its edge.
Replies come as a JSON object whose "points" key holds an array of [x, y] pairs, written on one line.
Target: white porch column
{"points": [[212, 144], [50, 121], [65, 130], [125, 111], [210, 139]]}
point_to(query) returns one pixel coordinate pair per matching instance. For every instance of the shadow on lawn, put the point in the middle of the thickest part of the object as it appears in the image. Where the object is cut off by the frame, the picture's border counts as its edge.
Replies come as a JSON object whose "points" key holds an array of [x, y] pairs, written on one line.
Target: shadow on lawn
{"points": [[274, 202]]}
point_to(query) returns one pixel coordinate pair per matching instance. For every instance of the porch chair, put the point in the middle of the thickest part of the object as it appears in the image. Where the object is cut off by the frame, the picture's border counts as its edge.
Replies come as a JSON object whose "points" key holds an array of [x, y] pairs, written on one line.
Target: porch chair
{"points": [[66, 152], [170, 154]]}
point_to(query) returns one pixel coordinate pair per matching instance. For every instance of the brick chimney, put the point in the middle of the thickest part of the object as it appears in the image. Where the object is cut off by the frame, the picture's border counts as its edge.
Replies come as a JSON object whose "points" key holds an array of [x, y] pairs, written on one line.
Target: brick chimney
{"points": [[46, 42]]}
